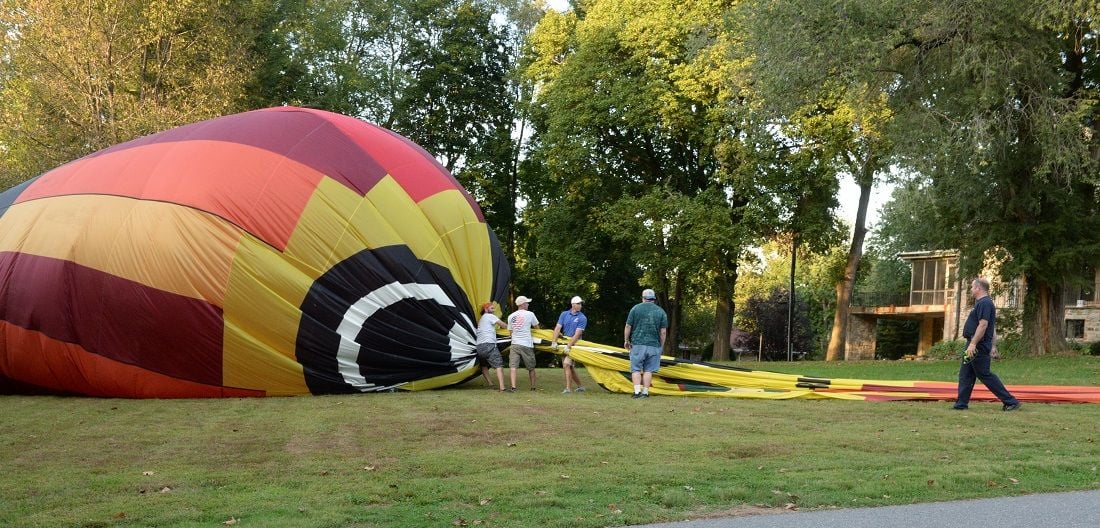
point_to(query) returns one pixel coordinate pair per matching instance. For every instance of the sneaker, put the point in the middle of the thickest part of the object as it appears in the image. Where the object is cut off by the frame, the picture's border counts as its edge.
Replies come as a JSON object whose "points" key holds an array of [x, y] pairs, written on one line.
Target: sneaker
{"points": [[511, 389], [636, 395], [645, 394], [579, 389], [1011, 406], [959, 408], [567, 391]]}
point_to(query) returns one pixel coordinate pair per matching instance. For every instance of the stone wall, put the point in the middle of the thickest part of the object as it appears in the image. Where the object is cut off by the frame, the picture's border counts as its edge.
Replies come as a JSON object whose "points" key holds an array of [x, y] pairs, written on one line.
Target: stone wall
{"points": [[861, 337]]}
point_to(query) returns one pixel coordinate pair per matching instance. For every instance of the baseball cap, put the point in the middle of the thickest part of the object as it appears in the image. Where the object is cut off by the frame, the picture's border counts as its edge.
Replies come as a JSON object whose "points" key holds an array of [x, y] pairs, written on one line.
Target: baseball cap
{"points": [[648, 294], [523, 300], [576, 300]]}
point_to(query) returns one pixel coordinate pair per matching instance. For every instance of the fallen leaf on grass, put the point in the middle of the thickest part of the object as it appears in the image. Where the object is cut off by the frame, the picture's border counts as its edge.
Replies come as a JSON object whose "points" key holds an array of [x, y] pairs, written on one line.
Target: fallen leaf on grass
{"points": [[1014, 481], [791, 506], [231, 521], [120, 515], [565, 476], [992, 484], [511, 444], [147, 473], [368, 468], [459, 522], [689, 488], [485, 501], [931, 483], [165, 489]]}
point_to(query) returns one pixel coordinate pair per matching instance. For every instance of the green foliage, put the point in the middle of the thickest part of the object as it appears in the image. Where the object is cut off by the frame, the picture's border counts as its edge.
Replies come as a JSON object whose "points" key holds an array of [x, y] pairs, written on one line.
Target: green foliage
{"points": [[895, 339], [947, 350], [1009, 321], [637, 118], [996, 102], [1012, 346], [78, 75], [1094, 348], [816, 275], [769, 317]]}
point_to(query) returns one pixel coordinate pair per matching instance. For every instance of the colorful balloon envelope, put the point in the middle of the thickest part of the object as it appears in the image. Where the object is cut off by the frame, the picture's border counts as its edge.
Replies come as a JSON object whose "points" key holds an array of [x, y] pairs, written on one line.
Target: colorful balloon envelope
{"points": [[276, 252]]}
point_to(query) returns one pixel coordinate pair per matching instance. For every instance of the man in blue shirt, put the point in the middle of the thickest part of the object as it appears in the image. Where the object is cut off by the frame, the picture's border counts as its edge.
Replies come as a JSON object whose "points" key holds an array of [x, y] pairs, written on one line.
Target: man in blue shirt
{"points": [[979, 331], [571, 323], [644, 337]]}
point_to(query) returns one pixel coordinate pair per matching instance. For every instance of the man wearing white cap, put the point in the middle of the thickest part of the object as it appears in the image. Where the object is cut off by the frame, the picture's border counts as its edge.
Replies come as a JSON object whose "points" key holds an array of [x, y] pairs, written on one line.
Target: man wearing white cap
{"points": [[520, 322], [571, 323], [644, 337]]}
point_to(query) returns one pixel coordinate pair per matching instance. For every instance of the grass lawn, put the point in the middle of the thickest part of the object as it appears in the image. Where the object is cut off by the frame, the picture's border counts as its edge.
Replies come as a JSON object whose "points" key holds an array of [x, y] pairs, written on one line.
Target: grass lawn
{"points": [[470, 456]]}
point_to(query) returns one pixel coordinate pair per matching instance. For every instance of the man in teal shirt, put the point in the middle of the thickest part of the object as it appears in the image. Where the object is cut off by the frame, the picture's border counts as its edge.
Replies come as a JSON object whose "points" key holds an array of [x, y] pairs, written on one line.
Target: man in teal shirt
{"points": [[644, 337]]}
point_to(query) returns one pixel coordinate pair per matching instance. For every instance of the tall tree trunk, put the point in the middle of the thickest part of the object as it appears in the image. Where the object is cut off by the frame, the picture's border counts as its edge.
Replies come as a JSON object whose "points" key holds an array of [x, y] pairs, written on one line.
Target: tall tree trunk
{"points": [[1044, 318], [724, 284], [675, 314], [855, 253]]}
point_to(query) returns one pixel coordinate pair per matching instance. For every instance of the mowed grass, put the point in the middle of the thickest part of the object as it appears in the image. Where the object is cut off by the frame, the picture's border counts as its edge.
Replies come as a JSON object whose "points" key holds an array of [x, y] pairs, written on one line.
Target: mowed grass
{"points": [[470, 456]]}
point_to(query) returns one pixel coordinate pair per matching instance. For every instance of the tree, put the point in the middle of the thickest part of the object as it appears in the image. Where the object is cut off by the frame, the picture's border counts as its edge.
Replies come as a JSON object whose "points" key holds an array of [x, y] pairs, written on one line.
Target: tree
{"points": [[996, 102], [827, 104], [635, 96], [815, 279], [768, 316], [79, 76]]}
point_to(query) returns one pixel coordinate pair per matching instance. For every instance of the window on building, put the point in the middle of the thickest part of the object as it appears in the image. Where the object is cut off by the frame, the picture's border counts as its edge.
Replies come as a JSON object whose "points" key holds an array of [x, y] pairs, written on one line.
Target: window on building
{"points": [[1075, 328], [1081, 292], [929, 282]]}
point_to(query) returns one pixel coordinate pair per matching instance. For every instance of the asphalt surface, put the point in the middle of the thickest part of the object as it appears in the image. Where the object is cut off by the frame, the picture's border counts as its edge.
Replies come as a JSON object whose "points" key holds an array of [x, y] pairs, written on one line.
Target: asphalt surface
{"points": [[1078, 509]]}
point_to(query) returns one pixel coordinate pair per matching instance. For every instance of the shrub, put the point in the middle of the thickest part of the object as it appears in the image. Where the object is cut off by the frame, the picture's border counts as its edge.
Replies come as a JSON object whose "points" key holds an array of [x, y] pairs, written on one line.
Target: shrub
{"points": [[1094, 348], [946, 350], [1012, 346]]}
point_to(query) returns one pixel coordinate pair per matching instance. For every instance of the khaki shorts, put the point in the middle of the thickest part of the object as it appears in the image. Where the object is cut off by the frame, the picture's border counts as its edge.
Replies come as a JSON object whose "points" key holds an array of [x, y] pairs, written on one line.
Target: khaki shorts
{"points": [[520, 351]]}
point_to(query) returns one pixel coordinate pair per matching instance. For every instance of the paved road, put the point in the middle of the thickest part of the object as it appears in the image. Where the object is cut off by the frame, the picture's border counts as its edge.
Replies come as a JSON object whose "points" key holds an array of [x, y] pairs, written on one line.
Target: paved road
{"points": [[1079, 509]]}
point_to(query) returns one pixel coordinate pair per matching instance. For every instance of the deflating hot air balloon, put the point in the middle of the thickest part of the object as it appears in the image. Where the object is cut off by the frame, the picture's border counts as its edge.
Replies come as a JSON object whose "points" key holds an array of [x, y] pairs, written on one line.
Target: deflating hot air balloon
{"points": [[275, 252]]}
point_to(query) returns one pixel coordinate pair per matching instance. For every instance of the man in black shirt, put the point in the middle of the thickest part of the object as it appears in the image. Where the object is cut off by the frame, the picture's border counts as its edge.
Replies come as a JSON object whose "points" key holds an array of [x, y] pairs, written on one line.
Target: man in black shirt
{"points": [[981, 326]]}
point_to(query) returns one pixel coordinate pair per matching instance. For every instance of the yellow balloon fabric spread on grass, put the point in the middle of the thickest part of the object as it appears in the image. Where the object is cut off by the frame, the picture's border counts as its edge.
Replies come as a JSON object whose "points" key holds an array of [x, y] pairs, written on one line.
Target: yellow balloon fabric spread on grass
{"points": [[610, 367]]}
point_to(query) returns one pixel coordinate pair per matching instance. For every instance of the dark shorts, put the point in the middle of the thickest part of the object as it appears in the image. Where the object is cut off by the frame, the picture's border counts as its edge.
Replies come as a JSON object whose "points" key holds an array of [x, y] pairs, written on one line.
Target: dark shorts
{"points": [[489, 353]]}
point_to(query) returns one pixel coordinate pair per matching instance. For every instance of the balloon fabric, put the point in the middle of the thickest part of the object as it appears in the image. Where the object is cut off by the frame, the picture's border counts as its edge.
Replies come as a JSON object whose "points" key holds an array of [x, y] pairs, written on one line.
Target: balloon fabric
{"points": [[282, 251]]}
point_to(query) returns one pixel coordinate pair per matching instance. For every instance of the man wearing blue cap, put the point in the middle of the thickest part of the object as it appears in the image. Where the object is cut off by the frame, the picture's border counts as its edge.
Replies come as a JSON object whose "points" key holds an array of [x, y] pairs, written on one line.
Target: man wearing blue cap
{"points": [[644, 337]]}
